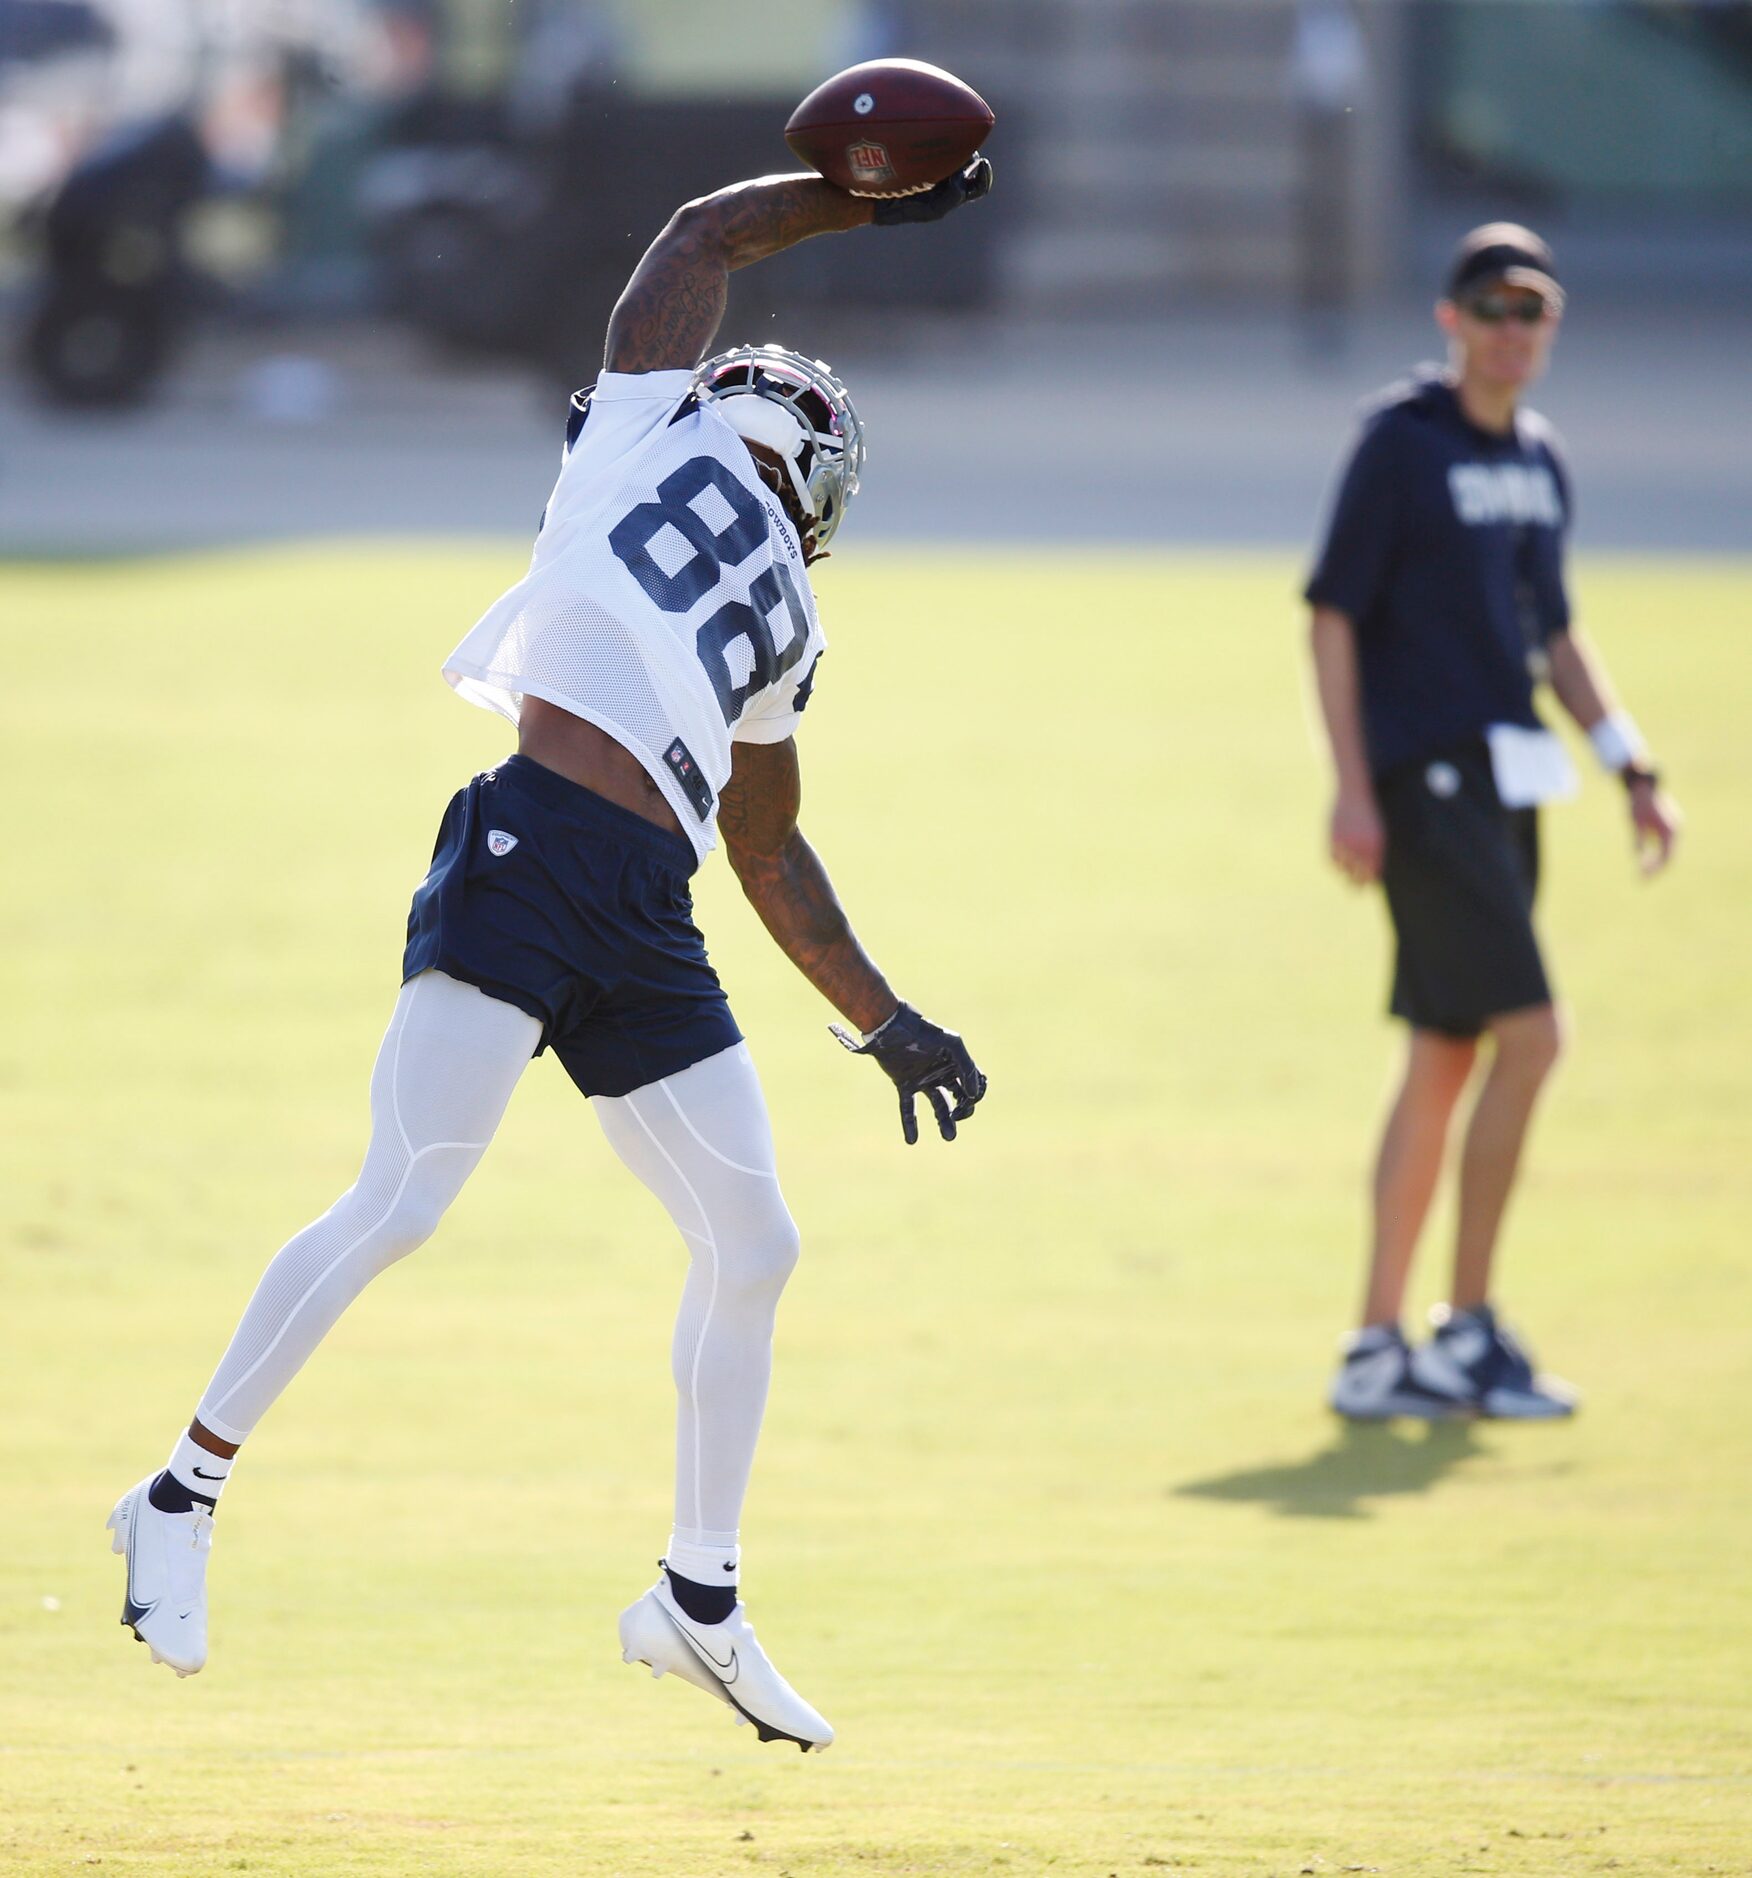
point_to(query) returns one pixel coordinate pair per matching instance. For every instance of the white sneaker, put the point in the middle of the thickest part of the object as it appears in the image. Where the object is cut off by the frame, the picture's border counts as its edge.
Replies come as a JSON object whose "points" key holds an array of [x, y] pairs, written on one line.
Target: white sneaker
{"points": [[1477, 1351], [166, 1601], [723, 1659], [1378, 1380]]}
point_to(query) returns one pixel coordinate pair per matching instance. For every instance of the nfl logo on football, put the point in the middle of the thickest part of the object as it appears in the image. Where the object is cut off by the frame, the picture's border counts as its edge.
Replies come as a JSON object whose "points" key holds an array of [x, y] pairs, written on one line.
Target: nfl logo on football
{"points": [[869, 163]]}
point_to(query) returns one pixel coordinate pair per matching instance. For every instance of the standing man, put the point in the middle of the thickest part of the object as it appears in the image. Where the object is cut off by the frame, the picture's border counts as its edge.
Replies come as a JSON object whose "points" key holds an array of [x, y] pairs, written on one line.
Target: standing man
{"points": [[656, 660], [1438, 602]]}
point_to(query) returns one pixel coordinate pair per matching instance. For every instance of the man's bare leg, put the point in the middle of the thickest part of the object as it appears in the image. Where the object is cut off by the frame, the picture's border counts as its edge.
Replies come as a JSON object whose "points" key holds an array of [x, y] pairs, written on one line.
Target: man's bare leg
{"points": [[1409, 1163], [1528, 1044]]}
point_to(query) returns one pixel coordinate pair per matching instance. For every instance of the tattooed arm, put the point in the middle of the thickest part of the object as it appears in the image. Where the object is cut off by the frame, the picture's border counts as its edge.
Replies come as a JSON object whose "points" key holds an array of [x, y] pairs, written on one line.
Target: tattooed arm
{"points": [[670, 310], [789, 888]]}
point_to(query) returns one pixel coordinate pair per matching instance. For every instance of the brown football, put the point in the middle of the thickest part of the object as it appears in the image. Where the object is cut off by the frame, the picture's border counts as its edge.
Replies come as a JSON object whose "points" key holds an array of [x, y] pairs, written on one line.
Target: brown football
{"points": [[890, 127]]}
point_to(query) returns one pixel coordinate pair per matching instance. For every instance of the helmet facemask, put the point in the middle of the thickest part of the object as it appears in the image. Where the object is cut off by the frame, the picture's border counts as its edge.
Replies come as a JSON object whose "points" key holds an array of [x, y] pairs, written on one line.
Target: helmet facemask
{"points": [[798, 411]]}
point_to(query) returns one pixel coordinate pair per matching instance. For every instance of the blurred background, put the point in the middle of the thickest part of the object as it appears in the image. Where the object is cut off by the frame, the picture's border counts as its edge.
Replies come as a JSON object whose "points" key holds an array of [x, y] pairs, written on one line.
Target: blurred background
{"points": [[318, 266]]}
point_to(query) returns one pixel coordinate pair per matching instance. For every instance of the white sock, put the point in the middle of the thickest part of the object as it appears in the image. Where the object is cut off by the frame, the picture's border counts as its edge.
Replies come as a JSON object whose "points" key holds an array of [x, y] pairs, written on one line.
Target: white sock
{"points": [[708, 1558], [199, 1469]]}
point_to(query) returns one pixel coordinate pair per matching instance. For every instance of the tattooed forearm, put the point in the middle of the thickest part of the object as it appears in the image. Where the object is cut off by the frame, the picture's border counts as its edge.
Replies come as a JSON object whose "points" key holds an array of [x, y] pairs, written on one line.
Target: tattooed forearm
{"points": [[776, 212], [789, 888], [795, 899], [670, 310], [667, 316]]}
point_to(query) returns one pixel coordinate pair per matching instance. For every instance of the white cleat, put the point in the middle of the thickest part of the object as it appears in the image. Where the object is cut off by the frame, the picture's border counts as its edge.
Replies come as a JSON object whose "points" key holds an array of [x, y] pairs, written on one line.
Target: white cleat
{"points": [[723, 1659], [166, 1601]]}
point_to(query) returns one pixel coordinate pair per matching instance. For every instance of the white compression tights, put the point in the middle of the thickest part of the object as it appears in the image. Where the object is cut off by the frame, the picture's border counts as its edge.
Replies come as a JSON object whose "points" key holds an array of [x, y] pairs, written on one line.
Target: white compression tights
{"points": [[702, 1143], [700, 1140]]}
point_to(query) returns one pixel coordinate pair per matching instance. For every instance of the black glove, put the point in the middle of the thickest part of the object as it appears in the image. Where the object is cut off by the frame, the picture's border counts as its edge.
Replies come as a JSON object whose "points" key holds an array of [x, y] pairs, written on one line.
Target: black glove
{"points": [[921, 1059], [931, 205]]}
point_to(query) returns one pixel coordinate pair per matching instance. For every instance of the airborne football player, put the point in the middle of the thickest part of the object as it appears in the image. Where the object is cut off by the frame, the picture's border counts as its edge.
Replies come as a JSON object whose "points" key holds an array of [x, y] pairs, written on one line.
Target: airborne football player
{"points": [[656, 659]]}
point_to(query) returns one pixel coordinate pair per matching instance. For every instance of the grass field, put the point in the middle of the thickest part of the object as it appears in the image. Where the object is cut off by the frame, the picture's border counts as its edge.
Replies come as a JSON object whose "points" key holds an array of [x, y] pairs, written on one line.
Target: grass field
{"points": [[1048, 1517]]}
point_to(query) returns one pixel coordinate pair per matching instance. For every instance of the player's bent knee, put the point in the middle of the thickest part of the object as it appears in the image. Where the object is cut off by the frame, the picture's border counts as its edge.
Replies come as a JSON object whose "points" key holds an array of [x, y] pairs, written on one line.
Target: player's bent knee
{"points": [[410, 1222], [415, 1222], [765, 1256]]}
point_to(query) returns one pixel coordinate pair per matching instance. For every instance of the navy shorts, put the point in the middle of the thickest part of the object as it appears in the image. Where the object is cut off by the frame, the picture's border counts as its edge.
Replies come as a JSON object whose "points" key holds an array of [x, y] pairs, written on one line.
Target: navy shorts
{"points": [[1461, 872], [578, 912]]}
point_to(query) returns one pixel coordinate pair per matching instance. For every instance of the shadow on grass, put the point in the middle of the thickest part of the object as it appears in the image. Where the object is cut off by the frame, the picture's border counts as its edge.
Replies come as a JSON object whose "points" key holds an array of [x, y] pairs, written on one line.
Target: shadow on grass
{"points": [[1367, 1461]]}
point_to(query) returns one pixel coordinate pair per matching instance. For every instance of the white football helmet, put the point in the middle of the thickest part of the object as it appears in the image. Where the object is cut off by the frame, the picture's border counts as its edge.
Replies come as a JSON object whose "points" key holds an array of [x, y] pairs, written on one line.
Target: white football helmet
{"points": [[799, 410]]}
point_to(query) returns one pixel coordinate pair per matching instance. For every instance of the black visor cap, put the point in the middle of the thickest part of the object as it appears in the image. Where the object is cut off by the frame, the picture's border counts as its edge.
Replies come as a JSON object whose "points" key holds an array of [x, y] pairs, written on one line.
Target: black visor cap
{"points": [[1503, 251]]}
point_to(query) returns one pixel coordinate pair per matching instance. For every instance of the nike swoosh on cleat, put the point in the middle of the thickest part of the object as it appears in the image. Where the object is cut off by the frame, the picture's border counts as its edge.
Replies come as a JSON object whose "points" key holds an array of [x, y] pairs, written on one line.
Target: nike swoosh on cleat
{"points": [[728, 1674], [132, 1613], [727, 1670]]}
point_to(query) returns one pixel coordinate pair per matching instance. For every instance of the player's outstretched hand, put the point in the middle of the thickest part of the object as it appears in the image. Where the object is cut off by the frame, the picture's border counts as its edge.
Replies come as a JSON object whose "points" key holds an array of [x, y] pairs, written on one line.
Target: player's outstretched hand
{"points": [[932, 205], [922, 1060]]}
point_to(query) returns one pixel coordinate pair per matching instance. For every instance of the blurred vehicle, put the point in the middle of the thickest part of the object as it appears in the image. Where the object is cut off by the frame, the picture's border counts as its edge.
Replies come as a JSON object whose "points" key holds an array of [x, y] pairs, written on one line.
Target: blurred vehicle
{"points": [[117, 290], [494, 237], [458, 218]]}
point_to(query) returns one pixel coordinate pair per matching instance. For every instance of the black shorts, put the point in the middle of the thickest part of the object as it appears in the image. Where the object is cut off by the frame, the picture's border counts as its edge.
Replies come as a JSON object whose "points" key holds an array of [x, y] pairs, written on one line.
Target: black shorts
{"points": [[1461, 872], [578, 912]]}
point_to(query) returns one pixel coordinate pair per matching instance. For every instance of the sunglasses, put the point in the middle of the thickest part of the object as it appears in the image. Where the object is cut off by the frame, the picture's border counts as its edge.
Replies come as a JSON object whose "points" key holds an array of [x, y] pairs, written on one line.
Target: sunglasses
{"points": [[1491, 309]]}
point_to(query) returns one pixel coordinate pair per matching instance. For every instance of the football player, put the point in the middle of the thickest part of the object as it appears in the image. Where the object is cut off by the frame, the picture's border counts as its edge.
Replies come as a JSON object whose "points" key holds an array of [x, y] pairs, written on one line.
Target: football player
{"points": [[656, 659]]}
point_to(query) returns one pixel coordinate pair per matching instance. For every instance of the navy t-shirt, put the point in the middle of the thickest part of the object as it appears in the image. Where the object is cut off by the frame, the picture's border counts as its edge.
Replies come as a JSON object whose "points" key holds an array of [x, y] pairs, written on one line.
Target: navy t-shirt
{"points": [[1445, 549]]}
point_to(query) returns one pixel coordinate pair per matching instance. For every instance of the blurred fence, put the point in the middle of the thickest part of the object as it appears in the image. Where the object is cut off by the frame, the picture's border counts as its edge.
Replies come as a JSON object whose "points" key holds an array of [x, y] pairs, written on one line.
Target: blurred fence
{"points": [[1279, 149]]}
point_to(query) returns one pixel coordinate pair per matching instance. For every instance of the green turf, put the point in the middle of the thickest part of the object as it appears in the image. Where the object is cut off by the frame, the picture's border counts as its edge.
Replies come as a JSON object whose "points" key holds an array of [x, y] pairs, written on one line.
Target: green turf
{"points": [[1048, 1517]]}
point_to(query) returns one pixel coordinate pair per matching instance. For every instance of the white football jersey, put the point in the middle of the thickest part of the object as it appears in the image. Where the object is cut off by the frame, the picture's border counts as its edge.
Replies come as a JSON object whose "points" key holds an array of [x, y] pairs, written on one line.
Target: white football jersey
{"points": [[666, 601]]}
